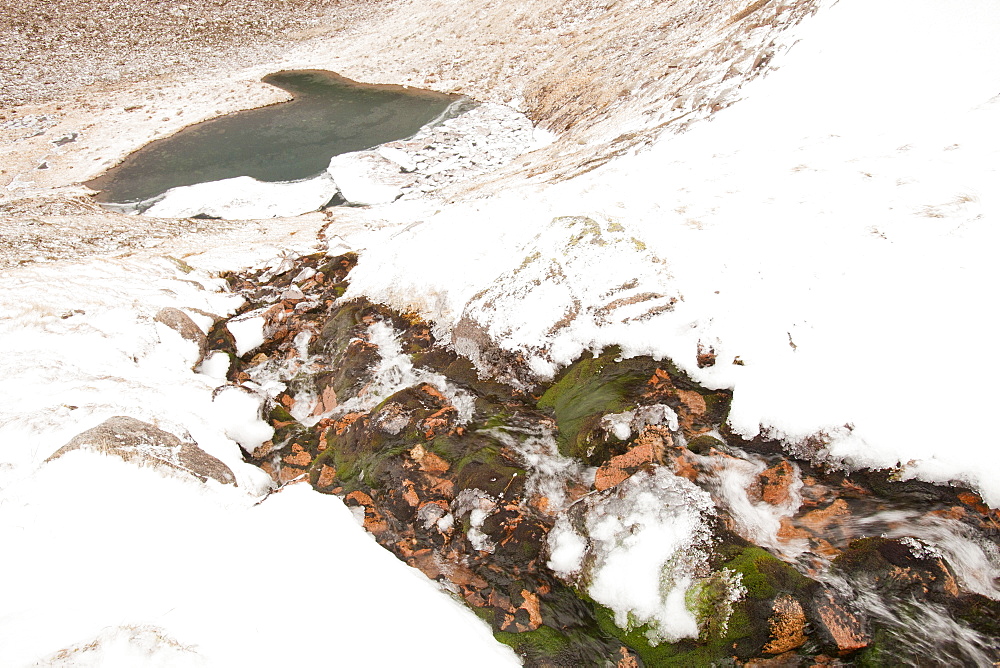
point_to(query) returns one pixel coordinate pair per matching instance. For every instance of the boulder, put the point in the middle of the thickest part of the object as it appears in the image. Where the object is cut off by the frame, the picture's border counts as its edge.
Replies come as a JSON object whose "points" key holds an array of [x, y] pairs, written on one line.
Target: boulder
{"points": [[146, 445], [181, 322]]}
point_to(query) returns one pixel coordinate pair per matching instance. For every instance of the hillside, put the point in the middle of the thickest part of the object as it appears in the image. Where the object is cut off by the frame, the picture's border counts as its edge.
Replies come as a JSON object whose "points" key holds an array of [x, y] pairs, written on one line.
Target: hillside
{"points": [[783, 207]]}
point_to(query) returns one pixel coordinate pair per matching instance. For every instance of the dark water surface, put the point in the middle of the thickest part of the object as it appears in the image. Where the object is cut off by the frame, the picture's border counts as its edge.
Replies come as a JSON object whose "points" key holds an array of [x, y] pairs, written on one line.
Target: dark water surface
{"points": [[293, 140]]}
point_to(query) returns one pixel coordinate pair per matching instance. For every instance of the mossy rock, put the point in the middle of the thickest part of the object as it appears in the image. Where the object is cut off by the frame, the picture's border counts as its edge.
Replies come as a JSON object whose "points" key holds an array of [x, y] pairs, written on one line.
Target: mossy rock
{"points": [[587, 390], [350, 374], [702, 444], [717, 405], [891, 565], [885, 651], [569, 636], [287, 429], [546, 647], [337, 268], [682, 653], [925, 495], [221, 339]]}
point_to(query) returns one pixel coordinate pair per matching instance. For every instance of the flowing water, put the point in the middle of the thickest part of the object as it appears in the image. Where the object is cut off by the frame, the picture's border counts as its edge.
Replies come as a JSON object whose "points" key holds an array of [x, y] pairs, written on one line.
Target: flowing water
{"points": [[329, 115]]}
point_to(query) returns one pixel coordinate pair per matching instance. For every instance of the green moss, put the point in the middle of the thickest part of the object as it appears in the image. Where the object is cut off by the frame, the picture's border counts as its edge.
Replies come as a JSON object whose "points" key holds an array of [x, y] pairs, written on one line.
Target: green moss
{"points": [[280, 414], [544, 641], [584, 227], [883, 652], [180, 264], [764, 575], [717, 406], [709, 600], [338, 329], [588, 389], [683, 653]]}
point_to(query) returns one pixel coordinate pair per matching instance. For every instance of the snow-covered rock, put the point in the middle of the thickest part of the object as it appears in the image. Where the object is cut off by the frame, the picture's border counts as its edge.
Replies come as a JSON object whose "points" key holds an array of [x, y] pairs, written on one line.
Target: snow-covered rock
{"points": [[147, 445]]}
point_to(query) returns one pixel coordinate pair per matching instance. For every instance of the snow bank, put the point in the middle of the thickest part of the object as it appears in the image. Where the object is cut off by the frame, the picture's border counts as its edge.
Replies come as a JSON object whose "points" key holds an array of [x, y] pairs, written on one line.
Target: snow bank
{"points": [[830, 237], [158, 571], [366, 179], [120, 565]]}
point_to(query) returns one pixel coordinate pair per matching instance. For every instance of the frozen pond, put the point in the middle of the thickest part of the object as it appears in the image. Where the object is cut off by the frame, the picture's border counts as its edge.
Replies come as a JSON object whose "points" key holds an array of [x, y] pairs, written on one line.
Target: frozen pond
{"points": [[292, 140]]}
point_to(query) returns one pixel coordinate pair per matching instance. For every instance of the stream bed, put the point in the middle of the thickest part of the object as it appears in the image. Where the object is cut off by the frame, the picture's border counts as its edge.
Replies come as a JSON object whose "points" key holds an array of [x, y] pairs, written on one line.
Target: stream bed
{"points": [[610, 516]]}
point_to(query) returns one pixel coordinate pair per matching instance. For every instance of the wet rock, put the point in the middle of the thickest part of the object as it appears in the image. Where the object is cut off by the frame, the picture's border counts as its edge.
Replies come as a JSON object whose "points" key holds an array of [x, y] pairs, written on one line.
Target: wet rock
{"points": [[647, 450], [143, 444], [788, 625], [774, 485], [842, 628]]}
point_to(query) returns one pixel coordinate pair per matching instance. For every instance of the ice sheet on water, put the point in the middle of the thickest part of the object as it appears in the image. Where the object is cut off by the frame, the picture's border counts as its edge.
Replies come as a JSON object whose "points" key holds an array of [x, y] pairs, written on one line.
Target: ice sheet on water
{"points": [[244, 197]]}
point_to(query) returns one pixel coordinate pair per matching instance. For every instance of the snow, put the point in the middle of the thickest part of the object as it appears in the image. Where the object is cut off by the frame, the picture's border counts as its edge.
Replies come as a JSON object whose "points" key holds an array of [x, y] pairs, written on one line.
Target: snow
{"points": [[248, 331], [237, 584], [646, 541], [830, 236], [119, 565], [238, 412]]}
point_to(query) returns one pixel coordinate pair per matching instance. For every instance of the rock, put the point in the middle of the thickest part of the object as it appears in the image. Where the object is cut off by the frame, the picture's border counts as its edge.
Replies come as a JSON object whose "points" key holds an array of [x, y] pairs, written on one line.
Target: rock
{"points": [[774, 485], [847, 631], [182, 323], [459, 477], [788, 624], [146, 445], [646, 452]]}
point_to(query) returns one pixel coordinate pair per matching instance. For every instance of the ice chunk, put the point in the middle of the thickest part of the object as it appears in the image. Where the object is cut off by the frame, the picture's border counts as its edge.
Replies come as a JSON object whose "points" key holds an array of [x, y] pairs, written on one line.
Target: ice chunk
{"points": [[367, 178]]}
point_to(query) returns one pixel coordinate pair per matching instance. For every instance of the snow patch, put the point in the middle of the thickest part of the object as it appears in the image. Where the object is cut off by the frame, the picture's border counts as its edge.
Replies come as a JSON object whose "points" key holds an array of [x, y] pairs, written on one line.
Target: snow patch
{"points": [[638, 550]]}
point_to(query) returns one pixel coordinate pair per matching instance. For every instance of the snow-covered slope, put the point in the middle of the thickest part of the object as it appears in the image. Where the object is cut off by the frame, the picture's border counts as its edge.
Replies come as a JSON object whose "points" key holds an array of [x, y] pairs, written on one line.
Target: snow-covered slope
{"points": [[115, 565], [830, 237]]}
